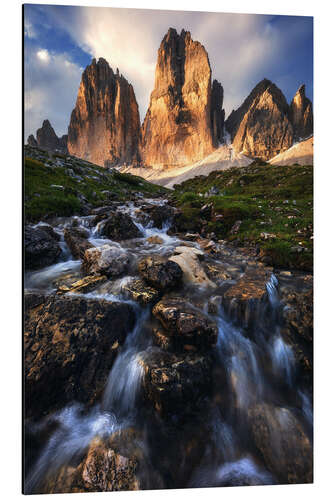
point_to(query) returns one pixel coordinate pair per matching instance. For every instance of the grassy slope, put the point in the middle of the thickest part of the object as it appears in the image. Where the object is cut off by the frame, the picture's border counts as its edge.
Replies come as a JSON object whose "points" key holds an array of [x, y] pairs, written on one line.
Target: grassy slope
{"points": [[267, 199], [42, 200]]}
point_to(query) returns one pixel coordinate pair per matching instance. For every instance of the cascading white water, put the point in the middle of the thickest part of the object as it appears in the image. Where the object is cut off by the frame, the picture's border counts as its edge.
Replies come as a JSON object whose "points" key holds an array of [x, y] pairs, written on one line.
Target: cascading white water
{"points": [[238, 355], [125, 378], [72, 436]]}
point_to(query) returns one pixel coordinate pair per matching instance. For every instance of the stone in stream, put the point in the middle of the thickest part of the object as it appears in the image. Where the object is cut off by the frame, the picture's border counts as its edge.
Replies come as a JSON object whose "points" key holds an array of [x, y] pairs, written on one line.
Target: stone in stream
{"points": [[40, 248], [50, 231], [119, 226], [244, 299], [283, 443], [160, 273], [187, 326], [70, 343], [187, 259], [175, 383], [298, 325], [106, 259], [159, 214], [140, 292], [155, 240], [77, 241], [117, 463], [84, 285]]}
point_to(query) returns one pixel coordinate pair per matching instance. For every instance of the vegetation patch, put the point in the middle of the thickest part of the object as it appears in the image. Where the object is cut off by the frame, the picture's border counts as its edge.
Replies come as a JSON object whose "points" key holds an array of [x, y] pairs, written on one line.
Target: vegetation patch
{"points": [[60, 185], [269, 207]]}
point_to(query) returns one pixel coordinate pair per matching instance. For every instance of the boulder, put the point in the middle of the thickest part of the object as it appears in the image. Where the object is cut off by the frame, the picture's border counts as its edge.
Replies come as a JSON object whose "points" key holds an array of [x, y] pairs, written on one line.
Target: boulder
{"points": [[140, 292], [40, 249], [77, 241], [160, 273], [106, 259], [84, 285], [175, 384], [159, 214], [120, 227], [244, 299], [187, 258], [155, 240], [116, 463], [283, 443], [70, 343], [188, 326]]}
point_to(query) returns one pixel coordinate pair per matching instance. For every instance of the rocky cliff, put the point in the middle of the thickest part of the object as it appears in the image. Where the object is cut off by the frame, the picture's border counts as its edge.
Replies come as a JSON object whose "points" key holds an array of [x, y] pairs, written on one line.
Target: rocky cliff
{"points": [[181, 126], [261, 126], [105, 124], [301, 114], [46, 138]]}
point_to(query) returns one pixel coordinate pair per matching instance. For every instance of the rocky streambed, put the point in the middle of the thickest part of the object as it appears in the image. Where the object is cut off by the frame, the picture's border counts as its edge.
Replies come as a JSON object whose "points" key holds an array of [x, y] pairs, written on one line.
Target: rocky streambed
{"points": [[160, 360]]}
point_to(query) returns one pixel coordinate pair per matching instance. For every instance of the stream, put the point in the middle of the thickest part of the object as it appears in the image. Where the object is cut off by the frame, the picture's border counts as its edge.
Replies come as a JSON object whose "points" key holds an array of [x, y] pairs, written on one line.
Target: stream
{"points": [[252, 373]]}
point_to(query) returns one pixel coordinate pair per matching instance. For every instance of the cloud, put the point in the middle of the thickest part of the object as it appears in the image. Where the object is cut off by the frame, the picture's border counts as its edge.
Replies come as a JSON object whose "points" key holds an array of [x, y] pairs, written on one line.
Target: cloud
{"points": [[51, 83], [29, 29]]}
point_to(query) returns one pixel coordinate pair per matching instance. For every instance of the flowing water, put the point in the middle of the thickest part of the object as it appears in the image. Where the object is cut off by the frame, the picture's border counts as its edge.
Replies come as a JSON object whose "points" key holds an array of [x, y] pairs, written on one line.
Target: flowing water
{"points": [[249, 369]]}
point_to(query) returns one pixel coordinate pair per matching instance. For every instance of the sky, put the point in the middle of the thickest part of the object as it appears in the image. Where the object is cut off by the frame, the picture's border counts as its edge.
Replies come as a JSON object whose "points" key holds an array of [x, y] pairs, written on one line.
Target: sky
{"points": [[60, 41]]}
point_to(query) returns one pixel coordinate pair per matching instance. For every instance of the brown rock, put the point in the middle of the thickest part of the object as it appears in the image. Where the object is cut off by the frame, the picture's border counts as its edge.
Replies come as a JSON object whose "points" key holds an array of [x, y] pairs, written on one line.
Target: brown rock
{"points": [[177, 129], [68, 348], [175, 383], [160, 273], [261, 127], [282, 441], [140, 292], [244, 299], [301, 114], [76, 239], [84, 285], [40, 248], [105, 122], [106, 259], [188, 325], [120, 227]]}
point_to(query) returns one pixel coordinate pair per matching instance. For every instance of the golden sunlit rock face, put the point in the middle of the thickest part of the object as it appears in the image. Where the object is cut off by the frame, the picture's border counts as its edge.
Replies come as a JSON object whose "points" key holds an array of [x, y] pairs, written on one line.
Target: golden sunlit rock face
{"points": [[178, 127], [261, 126], [105, 123], [301, 114]]}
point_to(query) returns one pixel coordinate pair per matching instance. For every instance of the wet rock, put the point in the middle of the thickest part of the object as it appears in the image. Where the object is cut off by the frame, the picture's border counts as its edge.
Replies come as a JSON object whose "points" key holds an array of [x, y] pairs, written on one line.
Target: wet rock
{"points": [[120, 227], [155, 240], [189, 326], [40, 249], [77, 241], [282, 441], [68, 348], [50, 231], [174, 383], [84, 285], [217, 272], [187, 258], [159, 214], [298, 325], [106, 259], [160, 273], [117, 463], [140, 292], [243, 300]]}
